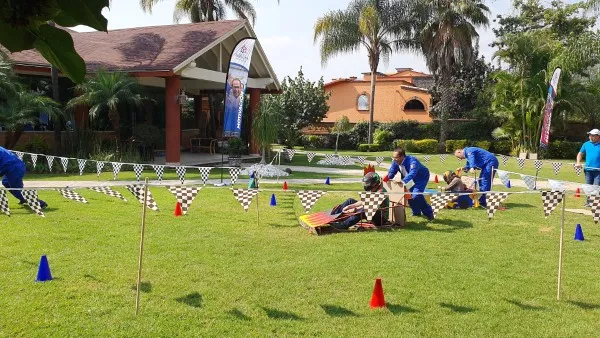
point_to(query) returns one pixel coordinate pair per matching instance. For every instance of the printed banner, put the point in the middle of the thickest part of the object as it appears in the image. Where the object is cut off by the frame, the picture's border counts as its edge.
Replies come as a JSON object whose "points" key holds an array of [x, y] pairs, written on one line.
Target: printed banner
{"points": [[235, 86], [545, 137]]}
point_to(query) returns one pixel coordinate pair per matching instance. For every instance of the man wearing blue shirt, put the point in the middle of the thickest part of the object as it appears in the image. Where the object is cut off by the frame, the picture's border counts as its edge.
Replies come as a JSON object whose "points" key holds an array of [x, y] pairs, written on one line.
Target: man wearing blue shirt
{"points": [[13, 170], [412, 170], [591, 151], [482, 159]]}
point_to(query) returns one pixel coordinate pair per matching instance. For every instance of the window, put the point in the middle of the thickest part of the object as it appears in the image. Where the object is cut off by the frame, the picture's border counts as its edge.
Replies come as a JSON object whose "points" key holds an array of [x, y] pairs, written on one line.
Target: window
{"points": [[363, 102], [414, 104]]}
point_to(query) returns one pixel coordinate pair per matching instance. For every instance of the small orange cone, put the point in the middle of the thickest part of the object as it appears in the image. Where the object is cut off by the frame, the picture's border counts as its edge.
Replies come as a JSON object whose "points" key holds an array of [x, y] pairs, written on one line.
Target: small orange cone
{"points": [[285, 187], [577, 193], [178, 211], [436, 179], [377, 300]]}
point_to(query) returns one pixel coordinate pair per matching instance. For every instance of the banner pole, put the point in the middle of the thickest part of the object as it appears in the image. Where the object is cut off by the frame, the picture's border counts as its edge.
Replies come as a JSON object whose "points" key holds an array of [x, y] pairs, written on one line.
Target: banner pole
{"points": [[560, 247], [139, 277]]}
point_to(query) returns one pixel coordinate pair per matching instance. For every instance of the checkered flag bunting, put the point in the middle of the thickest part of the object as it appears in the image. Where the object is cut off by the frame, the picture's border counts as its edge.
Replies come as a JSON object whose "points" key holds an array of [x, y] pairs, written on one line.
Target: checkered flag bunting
{"points": [[310, 156], [244, 196], [590, 189], [504, 176], [116, 169], [308, 198], [159, 170], [550, 200], [347, 160], [99, 167], [493, 202], [556, 167], [361, 160], [577, 169], [234, 173], [426, 158], [504, 159], [33, 160], [50, 160], [538, 164], [204, 172], [31, 197], [521, 162], [328, 157], [19, 155], [65, 163], [4, 203], [138, 169], [378, 160], [108, 191], [529, 181], [180, 173], [81, 164], [371, 202], [138, 191], [72, 195], [289, 153], [439, 201], [443, 157], [595, 206], [185, 196]]}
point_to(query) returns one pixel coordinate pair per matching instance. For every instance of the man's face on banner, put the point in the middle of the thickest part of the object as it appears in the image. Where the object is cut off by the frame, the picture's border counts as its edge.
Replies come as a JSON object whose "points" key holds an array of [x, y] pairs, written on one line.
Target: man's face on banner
{"points": [[236, 87]]}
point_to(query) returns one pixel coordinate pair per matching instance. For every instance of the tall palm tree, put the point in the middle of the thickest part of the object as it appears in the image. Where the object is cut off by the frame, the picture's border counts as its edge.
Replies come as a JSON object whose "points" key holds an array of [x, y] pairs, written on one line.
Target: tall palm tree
{"points": [[448, 39], [379, 26], [207, 10], [108, 93], [7, 84]]}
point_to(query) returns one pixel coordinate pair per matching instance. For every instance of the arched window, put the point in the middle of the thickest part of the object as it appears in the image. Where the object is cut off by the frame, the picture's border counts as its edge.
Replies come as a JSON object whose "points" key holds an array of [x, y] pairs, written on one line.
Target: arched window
{"points": [[363, 102], [414, 104]]}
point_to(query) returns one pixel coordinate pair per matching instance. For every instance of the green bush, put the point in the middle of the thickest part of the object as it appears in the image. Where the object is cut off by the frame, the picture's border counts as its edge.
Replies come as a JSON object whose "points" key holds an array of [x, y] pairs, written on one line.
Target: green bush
{"points": [[483, 144], [427, 146], [384, 138], [562, 150], [369, 147], [359, 133], [502, 147], [407, 145], [402, 129], [452, 145]]}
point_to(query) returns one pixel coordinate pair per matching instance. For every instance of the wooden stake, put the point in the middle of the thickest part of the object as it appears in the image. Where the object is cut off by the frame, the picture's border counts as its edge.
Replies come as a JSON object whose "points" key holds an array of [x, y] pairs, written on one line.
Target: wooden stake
{"points": [[257, 213], [560, 247], [139, 278]]}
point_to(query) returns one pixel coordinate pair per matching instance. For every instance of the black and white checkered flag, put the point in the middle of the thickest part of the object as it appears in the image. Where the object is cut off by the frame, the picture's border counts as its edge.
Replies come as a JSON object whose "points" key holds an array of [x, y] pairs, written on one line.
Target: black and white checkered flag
{"points": [[31, 197], [347, 160], [504, 159], [550, 200], [504, 176], [361, 160], [99, 167], [556, 167], [72, 195], [65, 163], [439, 201], [50, 160], [529, 181], [290, 153], [19, 155], [426, 158], [234, 173], [159, 170], [538, 164], [308, 198], [116, 169], [443, 157], [108, 191], [310, 156], [378, 160], [328, 157], [556, 185], [33, 160], [185, 196], [138, 169], [204, 172], [180, 173], [595, 206], [493, 200], [577, 169], [521, 162], [81, 164], [244, 196], [371, 202], [4, 203], [138, 191]]}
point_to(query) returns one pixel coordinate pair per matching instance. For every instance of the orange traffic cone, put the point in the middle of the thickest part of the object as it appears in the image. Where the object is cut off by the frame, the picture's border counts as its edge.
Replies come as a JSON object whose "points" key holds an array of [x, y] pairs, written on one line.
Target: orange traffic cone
{"points": [[285, 187], [577, 193], [436, 179], [377, 300], [178, 211]]}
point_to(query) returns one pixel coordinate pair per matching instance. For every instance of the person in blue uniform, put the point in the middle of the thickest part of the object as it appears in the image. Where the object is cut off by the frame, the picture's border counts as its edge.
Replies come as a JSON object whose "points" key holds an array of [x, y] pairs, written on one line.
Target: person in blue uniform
{"points": [[13, 170], [412, 170], [483, 160]]}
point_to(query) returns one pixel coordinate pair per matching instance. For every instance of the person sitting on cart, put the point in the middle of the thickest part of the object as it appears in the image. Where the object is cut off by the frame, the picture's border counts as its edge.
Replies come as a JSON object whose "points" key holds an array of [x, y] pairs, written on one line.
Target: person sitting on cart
{"points": [[456, 185]]}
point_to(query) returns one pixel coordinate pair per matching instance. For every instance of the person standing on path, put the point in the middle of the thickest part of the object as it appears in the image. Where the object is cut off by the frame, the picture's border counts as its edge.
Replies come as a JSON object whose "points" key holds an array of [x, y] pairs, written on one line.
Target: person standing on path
{"points": [[591, 151]]}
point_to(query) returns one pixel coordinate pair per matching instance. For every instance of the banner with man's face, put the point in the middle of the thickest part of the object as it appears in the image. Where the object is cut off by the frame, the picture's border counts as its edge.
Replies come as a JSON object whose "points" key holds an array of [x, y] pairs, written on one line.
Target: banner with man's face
{"points": [[235, 86]]}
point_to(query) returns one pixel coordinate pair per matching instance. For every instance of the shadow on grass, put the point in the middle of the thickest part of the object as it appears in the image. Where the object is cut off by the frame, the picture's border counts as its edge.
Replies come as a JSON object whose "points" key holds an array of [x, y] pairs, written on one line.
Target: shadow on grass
{"points": [[524, 306], [451, 223], [237, 314], [518, 205], [193, 299], [398, 309], [457, 308], [585, 306], [145, 287], [278, 314], [337, 311], [29, 263], [92, 277]]}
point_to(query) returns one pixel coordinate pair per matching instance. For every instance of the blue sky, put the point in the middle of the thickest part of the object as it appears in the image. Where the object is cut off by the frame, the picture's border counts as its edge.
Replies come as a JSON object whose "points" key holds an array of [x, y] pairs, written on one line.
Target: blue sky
{"points": [[286, 33]]}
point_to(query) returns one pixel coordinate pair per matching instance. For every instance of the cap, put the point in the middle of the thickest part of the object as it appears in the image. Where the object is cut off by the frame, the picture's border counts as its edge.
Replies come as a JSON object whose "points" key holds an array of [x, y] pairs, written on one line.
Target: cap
{"points": [[594, 132]]}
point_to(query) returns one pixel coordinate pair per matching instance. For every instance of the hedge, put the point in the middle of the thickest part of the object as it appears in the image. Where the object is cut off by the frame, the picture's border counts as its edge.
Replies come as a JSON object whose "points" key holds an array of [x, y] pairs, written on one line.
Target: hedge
{"points": [[369, 147], [562, 150], [427, 146]]}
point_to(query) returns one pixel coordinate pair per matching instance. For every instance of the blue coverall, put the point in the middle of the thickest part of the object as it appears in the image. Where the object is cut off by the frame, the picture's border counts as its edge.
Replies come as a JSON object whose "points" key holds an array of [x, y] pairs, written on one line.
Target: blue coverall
{"points": [[487, 162], [13, 170], [413, 170]]}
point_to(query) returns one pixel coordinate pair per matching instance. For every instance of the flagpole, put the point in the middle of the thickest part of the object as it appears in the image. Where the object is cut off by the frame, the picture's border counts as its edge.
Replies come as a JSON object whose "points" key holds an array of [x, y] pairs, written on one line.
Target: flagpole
{"points": [[560, 247], [139, 278]]}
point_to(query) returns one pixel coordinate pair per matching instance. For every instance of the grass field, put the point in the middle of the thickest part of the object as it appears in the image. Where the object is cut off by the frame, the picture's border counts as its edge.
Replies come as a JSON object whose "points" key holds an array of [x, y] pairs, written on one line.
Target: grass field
{"points": [[217, 271]]}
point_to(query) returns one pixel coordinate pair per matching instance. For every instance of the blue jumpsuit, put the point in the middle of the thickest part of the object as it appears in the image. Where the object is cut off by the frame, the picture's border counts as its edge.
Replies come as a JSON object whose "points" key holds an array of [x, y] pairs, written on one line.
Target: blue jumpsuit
{"points": [[13, 170], [418, 173], [487, 162]]}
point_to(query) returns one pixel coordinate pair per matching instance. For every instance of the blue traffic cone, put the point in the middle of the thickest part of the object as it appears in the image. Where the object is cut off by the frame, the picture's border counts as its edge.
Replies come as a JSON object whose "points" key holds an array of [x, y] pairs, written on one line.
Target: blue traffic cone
{"points": [[273, 201], [508, 184], [327, 181], [44, 270], [252, 175], [578, 233]]}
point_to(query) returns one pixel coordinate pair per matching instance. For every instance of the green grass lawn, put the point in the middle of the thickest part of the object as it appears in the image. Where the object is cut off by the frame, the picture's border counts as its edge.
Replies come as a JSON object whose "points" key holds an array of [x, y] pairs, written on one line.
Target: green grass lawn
{"points": [[219, 272]]}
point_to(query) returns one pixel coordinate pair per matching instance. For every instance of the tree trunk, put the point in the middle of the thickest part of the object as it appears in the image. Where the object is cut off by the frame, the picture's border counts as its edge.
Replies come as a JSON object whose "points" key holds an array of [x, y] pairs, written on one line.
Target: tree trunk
{"points": [[7, 138], [56, 97], [445, 104], [114, 118], [336, 142], [262, 160], [371, 105], [15, 136]]}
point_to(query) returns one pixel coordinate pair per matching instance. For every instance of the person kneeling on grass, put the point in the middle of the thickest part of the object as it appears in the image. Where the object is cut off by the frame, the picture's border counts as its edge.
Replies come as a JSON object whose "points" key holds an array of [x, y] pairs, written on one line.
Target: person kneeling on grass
{"points": [[353, 211], [13, 170], [456, 185]]}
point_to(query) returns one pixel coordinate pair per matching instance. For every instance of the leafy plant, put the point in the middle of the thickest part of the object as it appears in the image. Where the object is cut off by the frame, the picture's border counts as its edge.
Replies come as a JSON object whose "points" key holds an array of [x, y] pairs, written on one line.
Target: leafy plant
{"points": [[342, 125]]}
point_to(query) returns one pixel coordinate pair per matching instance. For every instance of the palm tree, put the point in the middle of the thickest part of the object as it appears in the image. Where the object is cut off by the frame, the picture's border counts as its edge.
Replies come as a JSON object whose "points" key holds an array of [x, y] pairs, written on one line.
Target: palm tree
{"points": [[108, 93], [7, 84], [207, 10], [448, 39], [265, 126], [379, 26]]}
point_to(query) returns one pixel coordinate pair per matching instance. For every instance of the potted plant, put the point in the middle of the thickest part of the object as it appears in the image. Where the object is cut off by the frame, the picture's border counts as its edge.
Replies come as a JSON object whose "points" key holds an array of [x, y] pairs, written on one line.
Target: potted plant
{"points": [[235, 149]]}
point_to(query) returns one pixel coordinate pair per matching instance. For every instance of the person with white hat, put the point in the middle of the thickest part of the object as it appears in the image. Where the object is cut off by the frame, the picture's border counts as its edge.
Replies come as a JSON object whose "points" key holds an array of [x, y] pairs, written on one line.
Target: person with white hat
{"points": [[591, 151]]}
